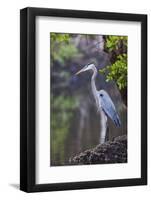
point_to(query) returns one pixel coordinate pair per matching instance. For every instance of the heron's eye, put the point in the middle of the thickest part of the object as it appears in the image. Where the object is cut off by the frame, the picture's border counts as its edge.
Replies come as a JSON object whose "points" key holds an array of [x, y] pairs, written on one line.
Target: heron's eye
{"points": [[101, 95]]}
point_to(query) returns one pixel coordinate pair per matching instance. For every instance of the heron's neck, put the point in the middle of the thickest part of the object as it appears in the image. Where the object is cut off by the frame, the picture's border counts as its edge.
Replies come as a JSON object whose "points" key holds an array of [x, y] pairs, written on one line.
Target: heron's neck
{"points": [[93, 81], [94, 89]]}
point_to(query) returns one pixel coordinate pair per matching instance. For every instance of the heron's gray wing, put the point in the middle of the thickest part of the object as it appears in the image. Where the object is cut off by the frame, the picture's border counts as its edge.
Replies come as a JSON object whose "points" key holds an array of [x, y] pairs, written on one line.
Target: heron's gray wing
{"points": [[109, 108]]}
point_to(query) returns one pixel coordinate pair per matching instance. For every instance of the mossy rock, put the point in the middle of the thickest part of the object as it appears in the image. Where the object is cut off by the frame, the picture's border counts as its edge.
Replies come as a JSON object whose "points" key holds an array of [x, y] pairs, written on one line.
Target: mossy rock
{"points": [[110, 152]]}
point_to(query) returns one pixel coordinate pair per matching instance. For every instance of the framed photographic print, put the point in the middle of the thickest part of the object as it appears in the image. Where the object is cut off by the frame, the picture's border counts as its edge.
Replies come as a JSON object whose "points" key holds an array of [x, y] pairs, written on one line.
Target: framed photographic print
{"points": [[83, 99]]}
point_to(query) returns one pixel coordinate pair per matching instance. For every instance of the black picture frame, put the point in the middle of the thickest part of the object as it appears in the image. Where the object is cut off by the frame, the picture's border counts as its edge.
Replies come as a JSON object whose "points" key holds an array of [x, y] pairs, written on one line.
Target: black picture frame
{"points": [[28, 98]]}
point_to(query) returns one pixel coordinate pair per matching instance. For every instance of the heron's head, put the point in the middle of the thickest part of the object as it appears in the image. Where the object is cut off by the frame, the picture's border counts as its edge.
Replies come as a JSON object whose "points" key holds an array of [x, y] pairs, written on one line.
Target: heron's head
{"points": [[89, 66]]}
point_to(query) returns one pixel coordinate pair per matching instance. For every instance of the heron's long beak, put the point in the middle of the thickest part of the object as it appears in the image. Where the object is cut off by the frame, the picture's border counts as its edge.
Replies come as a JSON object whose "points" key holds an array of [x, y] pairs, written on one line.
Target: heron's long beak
{"points": [[81, 70]]}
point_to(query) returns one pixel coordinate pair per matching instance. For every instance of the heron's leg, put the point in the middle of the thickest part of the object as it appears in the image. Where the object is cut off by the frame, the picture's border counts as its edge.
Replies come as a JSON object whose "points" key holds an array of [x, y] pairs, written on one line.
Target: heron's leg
{"points": [[107, 132], [103, 127]]}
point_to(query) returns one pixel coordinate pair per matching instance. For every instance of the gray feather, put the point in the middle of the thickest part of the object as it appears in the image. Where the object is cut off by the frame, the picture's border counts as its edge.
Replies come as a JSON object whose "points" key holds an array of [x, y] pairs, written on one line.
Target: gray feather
{"points": [[109, 108]]}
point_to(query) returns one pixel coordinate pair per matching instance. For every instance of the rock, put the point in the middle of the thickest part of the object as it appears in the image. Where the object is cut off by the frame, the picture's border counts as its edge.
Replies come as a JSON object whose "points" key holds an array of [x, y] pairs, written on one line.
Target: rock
{"points": [[110, 152]]}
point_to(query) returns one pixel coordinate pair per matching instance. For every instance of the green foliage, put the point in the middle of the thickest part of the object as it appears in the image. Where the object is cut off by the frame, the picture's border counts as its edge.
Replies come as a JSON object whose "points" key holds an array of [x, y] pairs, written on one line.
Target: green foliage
{"points": [[113, 42], [117, 71], [59, 37], [62, 48], [65, 53]]}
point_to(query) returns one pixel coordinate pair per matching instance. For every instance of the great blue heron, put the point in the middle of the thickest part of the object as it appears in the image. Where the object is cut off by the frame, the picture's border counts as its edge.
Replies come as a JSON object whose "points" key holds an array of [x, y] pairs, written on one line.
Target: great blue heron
{"points": [[103, 102]]}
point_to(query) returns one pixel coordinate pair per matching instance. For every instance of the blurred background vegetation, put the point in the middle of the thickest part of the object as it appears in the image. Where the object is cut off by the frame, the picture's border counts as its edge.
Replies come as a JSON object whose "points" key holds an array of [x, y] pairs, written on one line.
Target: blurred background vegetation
{"points": [[75, 123]]}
